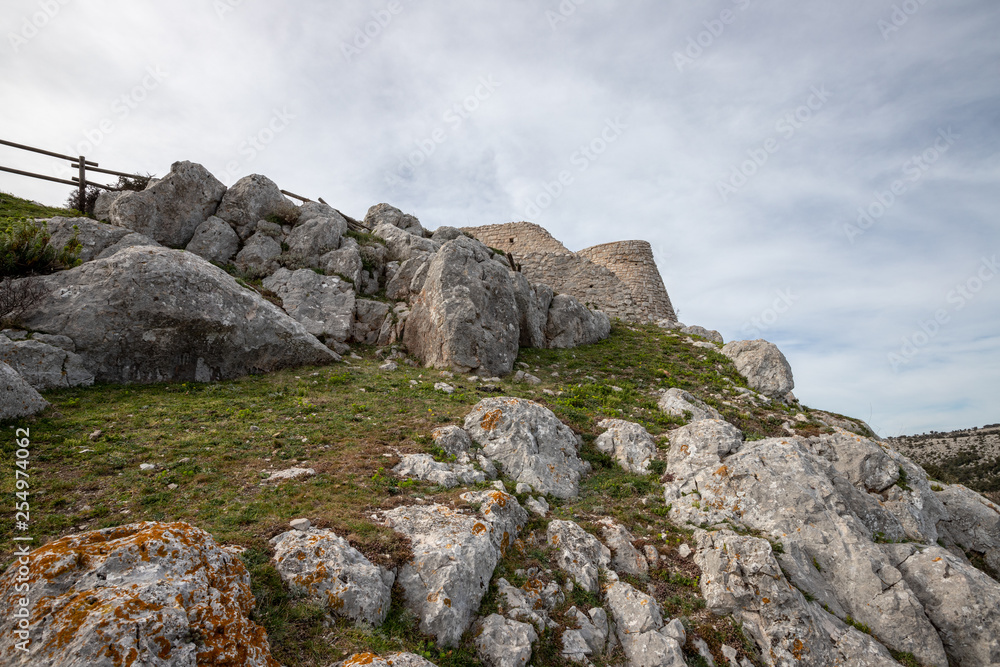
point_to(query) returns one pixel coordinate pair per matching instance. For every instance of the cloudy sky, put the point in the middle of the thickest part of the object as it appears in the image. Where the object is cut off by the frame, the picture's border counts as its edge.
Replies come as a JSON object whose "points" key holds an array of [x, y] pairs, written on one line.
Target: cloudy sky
{"points": [[822, 175]]}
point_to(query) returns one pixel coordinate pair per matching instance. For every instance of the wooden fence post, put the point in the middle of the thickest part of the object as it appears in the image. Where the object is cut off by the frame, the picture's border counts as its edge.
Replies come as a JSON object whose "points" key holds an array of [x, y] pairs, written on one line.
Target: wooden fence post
{"points": [[83, 185]]}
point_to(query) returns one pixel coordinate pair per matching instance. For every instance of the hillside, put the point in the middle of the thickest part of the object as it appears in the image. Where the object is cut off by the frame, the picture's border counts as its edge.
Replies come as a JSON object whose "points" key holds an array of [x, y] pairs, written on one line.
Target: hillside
{"points": [[966, 456], [337, 436]]}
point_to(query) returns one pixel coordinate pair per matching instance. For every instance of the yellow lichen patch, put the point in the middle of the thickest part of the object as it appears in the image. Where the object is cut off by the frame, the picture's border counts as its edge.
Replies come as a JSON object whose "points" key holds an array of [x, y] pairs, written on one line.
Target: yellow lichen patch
{"points": [[723, 471], [499, 497], [766, 600], [798, 648], [491, 419], [447, 602], [479, 528], [360, 659]]}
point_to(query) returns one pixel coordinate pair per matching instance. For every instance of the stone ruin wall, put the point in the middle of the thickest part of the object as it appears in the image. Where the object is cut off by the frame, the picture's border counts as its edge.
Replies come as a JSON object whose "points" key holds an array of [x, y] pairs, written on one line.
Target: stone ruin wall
{"points": [[620, 278]]}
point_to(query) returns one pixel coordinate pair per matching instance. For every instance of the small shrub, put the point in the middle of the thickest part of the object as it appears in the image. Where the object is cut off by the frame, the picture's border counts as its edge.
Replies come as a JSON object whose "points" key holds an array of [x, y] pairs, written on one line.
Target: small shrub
{"points": [[25, 250], [16, 297]]}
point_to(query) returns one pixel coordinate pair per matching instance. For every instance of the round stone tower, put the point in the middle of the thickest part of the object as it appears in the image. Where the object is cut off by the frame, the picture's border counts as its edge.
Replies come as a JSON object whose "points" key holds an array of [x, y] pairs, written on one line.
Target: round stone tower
{"points": [[632, 262]]}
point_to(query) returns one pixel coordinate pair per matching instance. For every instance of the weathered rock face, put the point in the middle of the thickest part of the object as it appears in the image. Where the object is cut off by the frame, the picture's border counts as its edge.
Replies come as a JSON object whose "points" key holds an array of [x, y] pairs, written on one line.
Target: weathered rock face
{"points": [[370, 319], [579, 553], [501, 642], [388, 660], [677, 401], [102, 207], [253, 198], [17, 397], [465, 317], [259, 255], [800, 492], [214, 240], [324, 305], [630, 444], [170, 209], [384, 214], [639, 622], [335, 574], [401, 245], [346, 261], [973, 522], [533, 303], [178, 599], [44, 366], [94, 237], [154, 315], [590, 638], [424, 467], [698, 446], [709, 334], [409, 278], [740, 576], [570, 323], [454, 558], [763, 365], [530, 444], [314, 238], [530, 603], [625, 558]]}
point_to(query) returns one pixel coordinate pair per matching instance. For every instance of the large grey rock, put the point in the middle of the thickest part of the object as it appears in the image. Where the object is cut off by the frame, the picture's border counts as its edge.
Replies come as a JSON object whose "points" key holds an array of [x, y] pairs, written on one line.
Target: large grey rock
{"points": [[401, 245], [214, 240], [370, 318], [501, 642], [254, 198], [324, 305], [453, 440], [314, 238], [346, 262], [425, 468], [45, 366], [530, 603], [710, 334], [454, 557], [445, 233], [570, 323], [259, 255], [639, 622], [529, 443], [578, 553], [763, 365], [146, 594], [94, 237], [465, 317], [102, 207], [17, 397], [533, 302], [155, 315], [629, 443], [789, 489], [699, 446], [384, 214], [962, 602], [589, 638], [323, 566], [387, 660], [409, 279], [740, 576], [170, 209], [128, 241], [973, 522], [625, 558], [677, 402]]}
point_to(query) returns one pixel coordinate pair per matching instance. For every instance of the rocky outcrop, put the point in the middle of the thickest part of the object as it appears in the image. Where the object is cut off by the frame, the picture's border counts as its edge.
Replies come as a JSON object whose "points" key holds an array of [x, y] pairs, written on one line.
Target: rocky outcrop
{"points": [[425, 468], [171, 595], [630, 444], [171, 208], [45, 366], [533, 302], [454, 557], [324, 305], [529, 443], [640, 627], [465, 317], [313, 239], [501, 642], [973, 523], [384, 214], [330, 571], [150, 314], [678, 403], [94, 237], [763, 365], [625, 558], [250, 199], [17, 397], [259, 256], [571, 324], [215, 241], [578, 553]]}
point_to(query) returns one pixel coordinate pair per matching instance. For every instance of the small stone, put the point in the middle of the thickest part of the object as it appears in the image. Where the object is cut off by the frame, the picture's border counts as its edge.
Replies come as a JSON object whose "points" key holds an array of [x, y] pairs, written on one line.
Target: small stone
{"points": [[255, 428], [522, 488], [95, 435], [172, 487], [801, 417], [447, 374], [300, 524], [147, 466], [498, 485], [684, 550], [730, 654], [652, 556], [445, 387], [389, 366], [614, 388], [537, 506]]}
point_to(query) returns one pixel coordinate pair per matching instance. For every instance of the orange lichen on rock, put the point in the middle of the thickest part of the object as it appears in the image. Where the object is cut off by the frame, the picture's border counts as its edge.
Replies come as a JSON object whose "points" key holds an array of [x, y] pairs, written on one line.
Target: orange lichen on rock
{"points": [[491, 419]]}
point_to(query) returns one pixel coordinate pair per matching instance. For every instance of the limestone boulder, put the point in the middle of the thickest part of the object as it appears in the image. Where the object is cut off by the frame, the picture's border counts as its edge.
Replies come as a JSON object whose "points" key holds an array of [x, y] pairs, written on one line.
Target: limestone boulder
{"points": [[453, 440], [570, 324], [709, 334], [639, 621], [501, 642], [128, 241], [445, 233], [678, 403], [763, 365], [530, 603], [313, 239], [387, 660], [45, 366], [408, 280], [401, 245], [102, 207], [17, 397], [625, 558], [529, 443], [699, 446], [578, 553], [155, 315], [425, 468], [384, 214], [94, 237], [259, 256], [171, 208], [254, 198], [589, 638], [455, 554], [346, 262], [465, 317], [177, 599], [371, 319], [214, 241], [323, 566], [533, 301], [973, 522], [630, 444], [324, 305]]}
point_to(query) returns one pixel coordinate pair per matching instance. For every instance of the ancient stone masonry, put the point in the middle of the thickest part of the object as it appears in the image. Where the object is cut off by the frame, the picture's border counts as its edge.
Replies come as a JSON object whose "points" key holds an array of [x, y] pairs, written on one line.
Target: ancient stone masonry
{"points": [[619, 278]]}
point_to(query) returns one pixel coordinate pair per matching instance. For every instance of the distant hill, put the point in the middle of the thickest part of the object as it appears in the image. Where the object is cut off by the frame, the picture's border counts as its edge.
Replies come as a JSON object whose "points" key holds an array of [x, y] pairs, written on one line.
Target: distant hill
{"points": [[968, 456]]}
